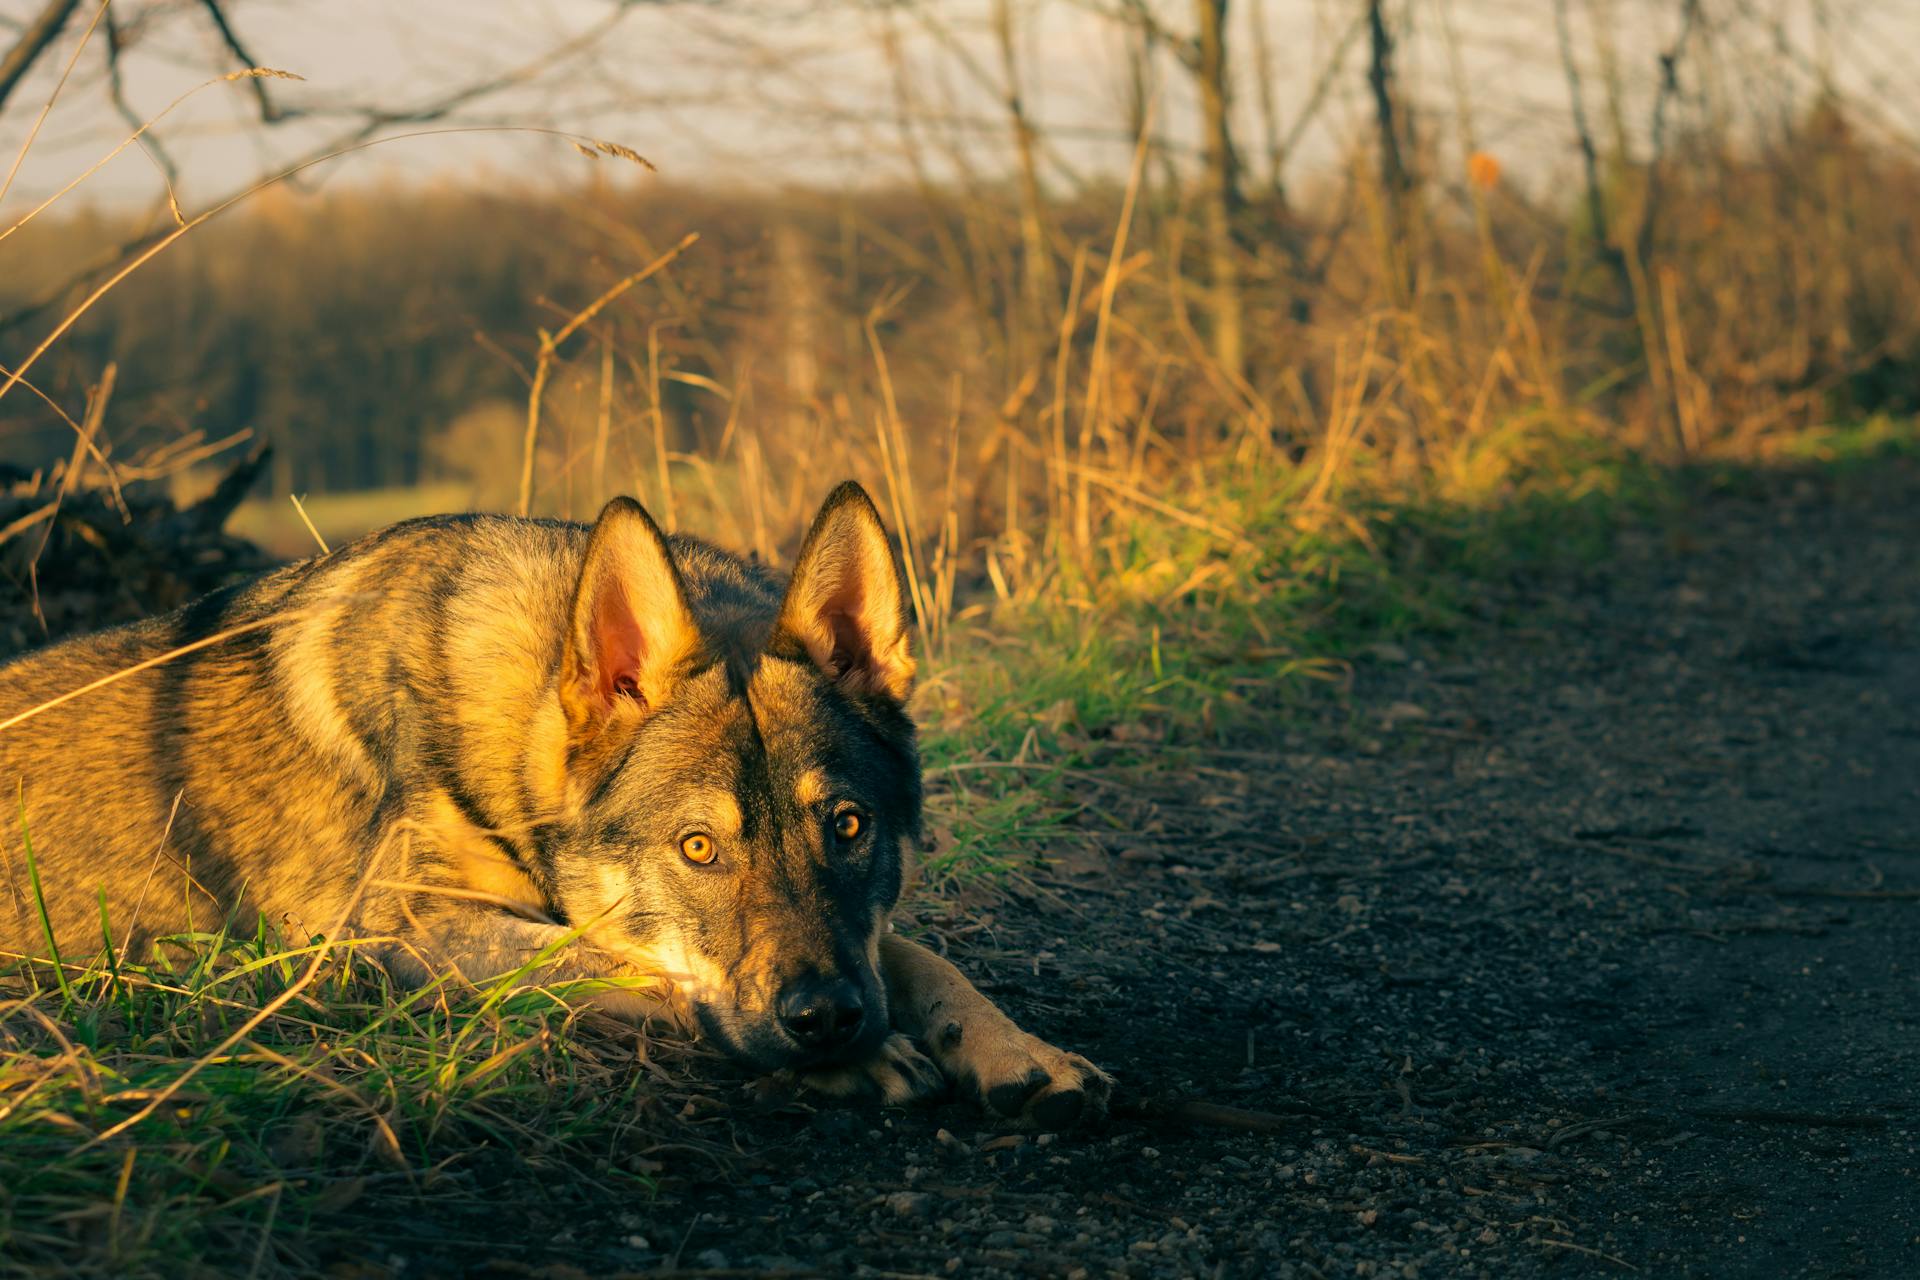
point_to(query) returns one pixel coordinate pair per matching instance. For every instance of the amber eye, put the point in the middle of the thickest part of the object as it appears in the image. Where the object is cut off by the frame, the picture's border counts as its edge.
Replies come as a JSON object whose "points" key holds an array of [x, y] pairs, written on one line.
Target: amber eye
{"points": [[698, 847], [848, 825]]}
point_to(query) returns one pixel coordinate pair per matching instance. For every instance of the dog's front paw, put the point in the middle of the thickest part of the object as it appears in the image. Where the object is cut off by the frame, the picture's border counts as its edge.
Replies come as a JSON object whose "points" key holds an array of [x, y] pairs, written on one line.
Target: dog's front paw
{"points": [[1022, 1077], [896, 1075]]}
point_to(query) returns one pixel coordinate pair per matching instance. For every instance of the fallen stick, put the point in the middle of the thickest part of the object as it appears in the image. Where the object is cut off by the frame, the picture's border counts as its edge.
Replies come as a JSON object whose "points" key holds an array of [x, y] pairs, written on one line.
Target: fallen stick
{"points": [[1218, 1115], [1808, 1119]]}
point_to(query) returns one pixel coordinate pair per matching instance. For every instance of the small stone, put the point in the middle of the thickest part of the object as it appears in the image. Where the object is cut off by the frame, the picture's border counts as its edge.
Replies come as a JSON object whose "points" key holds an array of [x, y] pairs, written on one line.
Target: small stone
{"points": [[640, 1244], [712, 1259], [910, 1204]]}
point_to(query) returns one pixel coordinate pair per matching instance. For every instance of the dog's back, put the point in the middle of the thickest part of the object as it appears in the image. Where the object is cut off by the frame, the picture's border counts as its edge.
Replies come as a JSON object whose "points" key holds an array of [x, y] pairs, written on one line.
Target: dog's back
{"points": [[256, 774]]}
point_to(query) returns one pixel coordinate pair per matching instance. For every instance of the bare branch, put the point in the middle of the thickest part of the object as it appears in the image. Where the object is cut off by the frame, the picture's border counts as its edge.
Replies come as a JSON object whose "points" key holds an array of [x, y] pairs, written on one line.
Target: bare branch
{"points": [[1669, 87], [269, 111], [372, 121], [33, 42], [1583, 132], [117, 43], [1335, 66]]}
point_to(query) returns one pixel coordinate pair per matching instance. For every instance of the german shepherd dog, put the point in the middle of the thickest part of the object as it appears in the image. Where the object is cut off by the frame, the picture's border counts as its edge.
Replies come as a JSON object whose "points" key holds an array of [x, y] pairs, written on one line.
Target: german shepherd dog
{"points": [[635, 758]]}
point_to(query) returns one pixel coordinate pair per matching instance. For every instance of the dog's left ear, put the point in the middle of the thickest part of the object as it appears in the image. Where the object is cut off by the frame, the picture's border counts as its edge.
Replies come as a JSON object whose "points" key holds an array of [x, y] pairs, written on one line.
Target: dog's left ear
{"points": [[846, 605]]}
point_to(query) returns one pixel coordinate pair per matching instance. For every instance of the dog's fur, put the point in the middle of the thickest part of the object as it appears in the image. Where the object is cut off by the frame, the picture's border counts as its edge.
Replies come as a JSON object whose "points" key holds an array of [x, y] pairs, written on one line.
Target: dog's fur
{"points": [[492, 739]]}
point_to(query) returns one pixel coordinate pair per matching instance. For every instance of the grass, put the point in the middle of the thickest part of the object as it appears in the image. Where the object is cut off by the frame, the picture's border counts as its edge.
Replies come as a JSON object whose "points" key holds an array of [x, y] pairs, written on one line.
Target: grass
{"points": [[351, 1090], [265, 1148]]}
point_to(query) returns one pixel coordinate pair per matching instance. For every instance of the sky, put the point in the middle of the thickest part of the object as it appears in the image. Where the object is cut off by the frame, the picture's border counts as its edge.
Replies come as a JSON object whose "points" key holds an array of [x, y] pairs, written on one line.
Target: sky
{"points": [[775, 92]]}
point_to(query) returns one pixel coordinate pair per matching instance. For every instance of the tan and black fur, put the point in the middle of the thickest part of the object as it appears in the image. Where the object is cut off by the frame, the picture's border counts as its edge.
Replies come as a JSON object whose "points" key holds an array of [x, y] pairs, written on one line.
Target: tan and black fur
{"points": [[488, 738]]}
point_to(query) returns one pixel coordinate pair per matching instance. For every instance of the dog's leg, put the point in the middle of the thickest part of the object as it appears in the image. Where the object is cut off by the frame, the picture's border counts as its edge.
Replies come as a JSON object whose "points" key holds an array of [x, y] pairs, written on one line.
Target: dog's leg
{"points": [[975, 1044]]}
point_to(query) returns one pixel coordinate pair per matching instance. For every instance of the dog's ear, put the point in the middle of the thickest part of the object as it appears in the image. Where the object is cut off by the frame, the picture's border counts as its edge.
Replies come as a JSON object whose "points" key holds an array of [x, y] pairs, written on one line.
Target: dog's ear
{"points": [[630, 631], [846, 606]]}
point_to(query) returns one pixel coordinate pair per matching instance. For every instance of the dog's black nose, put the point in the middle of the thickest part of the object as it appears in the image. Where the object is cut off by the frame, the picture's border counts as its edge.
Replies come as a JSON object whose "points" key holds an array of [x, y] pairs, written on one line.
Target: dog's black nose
{"points": [[821, 1014]]}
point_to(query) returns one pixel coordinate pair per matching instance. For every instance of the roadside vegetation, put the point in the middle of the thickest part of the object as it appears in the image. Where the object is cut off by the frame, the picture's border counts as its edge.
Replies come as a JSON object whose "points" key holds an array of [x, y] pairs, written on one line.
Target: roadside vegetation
{"points": [[1162, 461]]}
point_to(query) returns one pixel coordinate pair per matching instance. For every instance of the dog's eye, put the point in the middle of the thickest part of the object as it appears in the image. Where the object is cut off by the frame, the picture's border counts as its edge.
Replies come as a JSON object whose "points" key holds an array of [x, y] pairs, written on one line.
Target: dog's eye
{"points": [[698, 847], [849, 825]]}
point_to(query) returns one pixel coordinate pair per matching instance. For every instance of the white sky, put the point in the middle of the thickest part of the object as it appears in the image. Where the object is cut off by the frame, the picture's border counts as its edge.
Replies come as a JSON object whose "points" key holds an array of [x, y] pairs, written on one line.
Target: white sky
{"points": [[780, 91]]}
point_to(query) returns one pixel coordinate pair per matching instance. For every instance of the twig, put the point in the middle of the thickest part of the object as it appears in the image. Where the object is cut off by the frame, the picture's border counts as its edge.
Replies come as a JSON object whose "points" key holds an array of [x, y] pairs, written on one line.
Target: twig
{"points": [[307, 520], [1220, 1116], [33, 42], [550, 345], [1391, 1157], [269, 110], [1581, 1248], [22, 57], [1097, 361], [1855, 895], [1807, 1119], [1571, 1131], [117, 94], [1116, 485], [204, 643]]}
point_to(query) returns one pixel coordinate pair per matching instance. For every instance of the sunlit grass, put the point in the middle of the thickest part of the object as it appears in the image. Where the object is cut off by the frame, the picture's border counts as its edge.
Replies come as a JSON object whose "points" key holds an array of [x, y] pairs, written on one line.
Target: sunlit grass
{"points": [[353, 1089]]}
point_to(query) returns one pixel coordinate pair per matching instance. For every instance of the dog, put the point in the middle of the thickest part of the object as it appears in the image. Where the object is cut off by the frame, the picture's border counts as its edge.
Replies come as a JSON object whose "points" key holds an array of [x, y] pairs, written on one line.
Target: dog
{"points": [[630, 760]]}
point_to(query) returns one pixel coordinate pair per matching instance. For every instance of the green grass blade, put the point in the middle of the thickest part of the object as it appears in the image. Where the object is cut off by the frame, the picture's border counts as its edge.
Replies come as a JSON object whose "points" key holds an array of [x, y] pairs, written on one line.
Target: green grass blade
{"points": [[40, 902]]}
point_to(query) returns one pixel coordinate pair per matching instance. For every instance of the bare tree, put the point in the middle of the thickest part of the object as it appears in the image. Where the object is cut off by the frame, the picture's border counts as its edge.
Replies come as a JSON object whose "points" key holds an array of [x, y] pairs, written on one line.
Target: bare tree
{"points": [[1599, 222], [1221, 187], [1396, 180], [1037, 275], [1207, 58]]}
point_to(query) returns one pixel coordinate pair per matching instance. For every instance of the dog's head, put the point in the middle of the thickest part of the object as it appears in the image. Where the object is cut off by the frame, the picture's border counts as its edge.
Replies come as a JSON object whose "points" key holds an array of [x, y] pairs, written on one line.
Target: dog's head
{"points": [[743, 780]]}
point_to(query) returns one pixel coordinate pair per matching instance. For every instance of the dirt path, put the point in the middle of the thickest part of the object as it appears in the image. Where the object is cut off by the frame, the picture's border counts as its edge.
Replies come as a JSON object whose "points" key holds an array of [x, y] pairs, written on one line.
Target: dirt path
{"points": [[1582, 944]]}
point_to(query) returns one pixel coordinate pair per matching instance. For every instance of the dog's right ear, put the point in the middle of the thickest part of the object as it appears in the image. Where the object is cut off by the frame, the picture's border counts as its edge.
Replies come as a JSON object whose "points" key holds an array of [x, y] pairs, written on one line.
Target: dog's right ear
{"points": [[631, 633], [846, 605]]}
